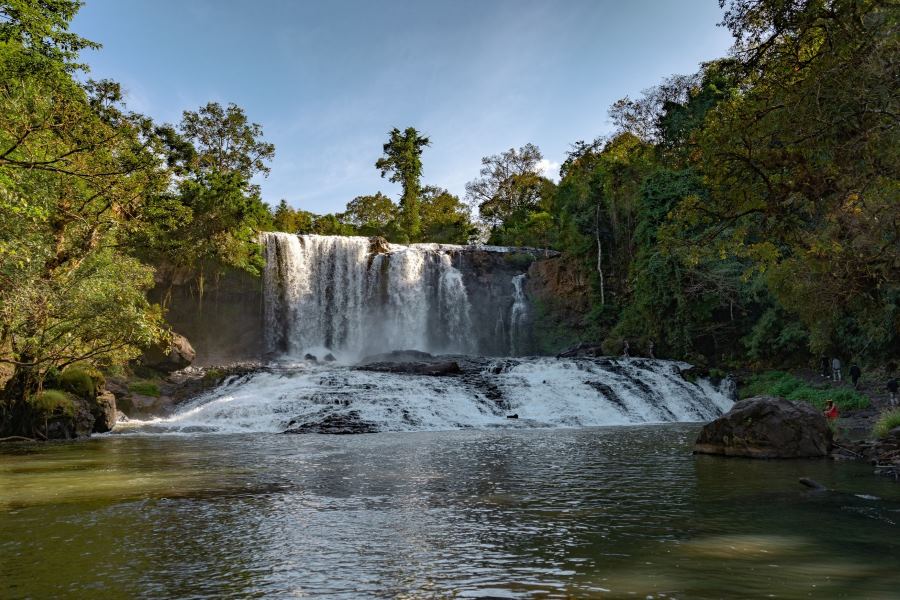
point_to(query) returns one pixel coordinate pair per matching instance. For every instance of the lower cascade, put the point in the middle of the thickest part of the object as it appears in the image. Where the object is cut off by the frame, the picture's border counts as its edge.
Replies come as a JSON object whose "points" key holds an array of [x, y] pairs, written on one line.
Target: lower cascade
{"points": [[479, 392]]}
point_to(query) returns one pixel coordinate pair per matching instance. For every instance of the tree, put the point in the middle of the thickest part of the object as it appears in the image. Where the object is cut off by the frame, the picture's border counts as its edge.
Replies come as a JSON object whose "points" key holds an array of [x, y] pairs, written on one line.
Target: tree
{"points": [[445, 218], [75, 169], [225, 141], [510, 182], [802, 167], [403, 160], [373, 215], [286, 218], [212, 215]]}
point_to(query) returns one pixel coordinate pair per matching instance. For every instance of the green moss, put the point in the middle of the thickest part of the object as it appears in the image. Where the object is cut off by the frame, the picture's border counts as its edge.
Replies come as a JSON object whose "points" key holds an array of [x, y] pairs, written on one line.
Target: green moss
{"points": [[886, 422], [213, 376], [52, 402], [784, 385], [145, 388], [78, 380]]}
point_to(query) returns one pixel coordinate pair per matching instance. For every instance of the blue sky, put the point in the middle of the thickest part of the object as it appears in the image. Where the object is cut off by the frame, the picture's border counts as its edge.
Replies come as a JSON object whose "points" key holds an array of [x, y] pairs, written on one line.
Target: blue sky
{"points": [[327, 80]]}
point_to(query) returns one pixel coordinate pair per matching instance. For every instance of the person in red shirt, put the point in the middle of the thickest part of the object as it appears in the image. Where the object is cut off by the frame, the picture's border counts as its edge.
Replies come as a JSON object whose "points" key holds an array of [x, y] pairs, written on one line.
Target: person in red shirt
{"points": [[831, 410]]}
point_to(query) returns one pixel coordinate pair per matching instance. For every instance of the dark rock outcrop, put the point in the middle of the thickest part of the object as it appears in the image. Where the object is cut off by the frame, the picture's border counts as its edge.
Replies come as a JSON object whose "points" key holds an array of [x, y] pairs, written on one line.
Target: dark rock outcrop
{"points": [[104, 412], [435, 368], [334, 424], [175, 355], [766, 427]]}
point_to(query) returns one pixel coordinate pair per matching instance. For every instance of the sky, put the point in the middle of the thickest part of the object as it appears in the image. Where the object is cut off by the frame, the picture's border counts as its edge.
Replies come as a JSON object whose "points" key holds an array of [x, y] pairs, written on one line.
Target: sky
{"points": [[327, 80]]}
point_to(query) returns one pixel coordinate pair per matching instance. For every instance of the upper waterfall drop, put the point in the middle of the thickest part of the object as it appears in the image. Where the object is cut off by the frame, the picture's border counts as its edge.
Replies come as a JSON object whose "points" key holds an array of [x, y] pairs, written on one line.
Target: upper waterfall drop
{"points": [[355, 296]]}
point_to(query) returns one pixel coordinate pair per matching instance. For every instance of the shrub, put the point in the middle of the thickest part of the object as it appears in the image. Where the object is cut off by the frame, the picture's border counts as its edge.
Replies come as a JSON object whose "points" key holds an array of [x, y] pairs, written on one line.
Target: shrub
{"points": [[52, 402], [145, 388], [886, 422], [213, 376], [78, 380], [784, 385]]}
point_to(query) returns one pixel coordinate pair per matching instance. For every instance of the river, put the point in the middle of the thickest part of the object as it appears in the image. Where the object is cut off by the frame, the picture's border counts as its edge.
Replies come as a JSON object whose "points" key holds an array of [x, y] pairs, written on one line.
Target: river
{"points": [[518, 513]]}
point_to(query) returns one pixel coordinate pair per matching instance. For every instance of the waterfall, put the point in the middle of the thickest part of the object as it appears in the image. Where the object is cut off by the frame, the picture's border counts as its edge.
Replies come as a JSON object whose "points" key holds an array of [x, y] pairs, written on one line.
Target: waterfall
{"points": [[541, 391], [518, 316], [337, 293]]}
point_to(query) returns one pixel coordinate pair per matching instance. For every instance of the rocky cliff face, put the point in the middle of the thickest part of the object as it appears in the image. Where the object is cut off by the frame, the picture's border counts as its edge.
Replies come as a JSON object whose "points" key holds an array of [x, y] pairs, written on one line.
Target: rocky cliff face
{"points": [[559, 292], [223, 323]]}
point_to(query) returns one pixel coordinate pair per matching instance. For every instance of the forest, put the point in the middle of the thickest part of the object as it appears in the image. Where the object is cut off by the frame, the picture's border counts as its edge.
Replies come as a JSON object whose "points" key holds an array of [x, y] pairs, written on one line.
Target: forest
{"points": [[745, 214]]}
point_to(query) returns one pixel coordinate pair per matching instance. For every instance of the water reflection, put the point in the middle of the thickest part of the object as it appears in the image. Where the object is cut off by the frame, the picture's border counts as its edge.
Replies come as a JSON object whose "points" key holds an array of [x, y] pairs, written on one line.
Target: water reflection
{"points": [[536, 513]]}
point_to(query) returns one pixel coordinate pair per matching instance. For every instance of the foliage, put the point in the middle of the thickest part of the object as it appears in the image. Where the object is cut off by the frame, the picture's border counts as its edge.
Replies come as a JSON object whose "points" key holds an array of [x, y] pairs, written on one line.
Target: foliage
{"points": [[887, 421], [145, 388], [445, 218], [78, 381], [286, 218], [75, 167], [51, 403], [784, 385], [403, 160]]}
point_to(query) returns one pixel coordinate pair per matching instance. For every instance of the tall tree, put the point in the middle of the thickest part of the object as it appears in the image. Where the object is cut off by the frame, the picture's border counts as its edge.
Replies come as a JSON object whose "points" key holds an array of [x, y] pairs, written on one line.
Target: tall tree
{"points": [[402, 159]]}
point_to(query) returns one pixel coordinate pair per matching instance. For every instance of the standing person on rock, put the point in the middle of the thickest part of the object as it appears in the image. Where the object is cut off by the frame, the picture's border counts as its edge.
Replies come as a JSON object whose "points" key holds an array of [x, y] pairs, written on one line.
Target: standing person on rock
{"points": [[855, 374], [836, 369], [650, 349], [625, 349], [824, 368]]}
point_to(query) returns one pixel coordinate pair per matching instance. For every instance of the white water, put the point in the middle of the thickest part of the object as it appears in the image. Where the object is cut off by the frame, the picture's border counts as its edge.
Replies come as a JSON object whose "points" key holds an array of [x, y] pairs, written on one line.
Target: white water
{"points": [[518, 316], [543, 392], [331, 292]]}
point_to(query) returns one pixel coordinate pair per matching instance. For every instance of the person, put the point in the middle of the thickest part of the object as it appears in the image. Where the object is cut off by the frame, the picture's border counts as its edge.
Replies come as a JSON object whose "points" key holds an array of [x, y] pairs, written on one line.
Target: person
{"points": [[892, 386], [855, 374], [823, 365], [650, 349], [831, 410], [625, 349], [836, 369]]}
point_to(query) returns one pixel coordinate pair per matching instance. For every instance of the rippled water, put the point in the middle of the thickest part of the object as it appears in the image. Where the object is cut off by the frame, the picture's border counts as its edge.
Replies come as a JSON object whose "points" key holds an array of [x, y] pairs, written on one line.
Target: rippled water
{"points": [[594, 512]]}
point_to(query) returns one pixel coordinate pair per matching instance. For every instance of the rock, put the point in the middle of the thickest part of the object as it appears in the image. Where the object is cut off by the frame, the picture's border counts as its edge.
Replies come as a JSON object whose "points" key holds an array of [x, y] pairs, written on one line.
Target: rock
{"points": [[582, 349], [378, 245], [178, 354], [513, 416], [104, 412], [437, 368], [334, 424], [398, 356], [766, 427], [310, 357], [77, 425], [329, 357]]}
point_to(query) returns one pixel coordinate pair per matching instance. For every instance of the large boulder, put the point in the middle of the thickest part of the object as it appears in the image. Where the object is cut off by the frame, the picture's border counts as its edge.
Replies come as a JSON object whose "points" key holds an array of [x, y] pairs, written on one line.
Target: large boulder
{"points": [[104, 412], [174, 356], [766, 427]]}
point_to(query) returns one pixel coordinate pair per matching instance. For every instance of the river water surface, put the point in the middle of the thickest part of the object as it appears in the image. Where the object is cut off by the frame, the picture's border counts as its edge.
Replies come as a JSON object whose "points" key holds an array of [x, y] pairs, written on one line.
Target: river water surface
{"points": [[592, 512]]}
